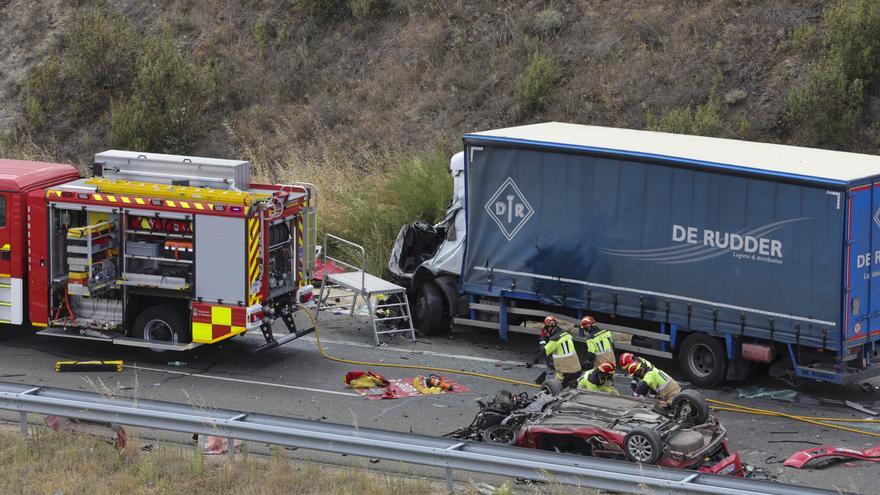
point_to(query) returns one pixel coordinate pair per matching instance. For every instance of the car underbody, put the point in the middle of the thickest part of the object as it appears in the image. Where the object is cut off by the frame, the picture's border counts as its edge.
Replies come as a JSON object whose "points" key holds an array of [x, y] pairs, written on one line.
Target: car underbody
{"points": [[680, 435]]}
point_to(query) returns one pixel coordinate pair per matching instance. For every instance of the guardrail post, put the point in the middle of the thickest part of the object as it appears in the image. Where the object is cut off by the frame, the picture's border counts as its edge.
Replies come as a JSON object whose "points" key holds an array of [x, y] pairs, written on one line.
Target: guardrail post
{"points": [[22, 423], [450, 481], [230, 447]]}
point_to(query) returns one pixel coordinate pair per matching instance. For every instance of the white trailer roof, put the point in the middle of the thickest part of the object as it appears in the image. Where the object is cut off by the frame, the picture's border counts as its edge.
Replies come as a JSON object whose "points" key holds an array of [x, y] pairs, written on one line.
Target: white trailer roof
{"points": [[773, 159]]}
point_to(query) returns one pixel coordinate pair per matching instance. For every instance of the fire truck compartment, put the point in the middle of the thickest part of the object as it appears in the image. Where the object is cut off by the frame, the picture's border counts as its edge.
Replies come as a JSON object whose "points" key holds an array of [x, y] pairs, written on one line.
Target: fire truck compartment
{"points": [[222, 240]]}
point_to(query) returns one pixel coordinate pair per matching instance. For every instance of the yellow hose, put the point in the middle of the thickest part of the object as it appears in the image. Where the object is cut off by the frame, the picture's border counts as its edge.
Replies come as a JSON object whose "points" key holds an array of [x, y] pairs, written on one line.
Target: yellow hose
{"points": [[718, 405]]}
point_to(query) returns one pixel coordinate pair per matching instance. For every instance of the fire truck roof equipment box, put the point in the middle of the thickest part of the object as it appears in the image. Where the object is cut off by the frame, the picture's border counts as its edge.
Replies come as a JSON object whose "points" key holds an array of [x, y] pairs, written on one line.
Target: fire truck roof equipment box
{"points": [[749, 239], [162, 169]]}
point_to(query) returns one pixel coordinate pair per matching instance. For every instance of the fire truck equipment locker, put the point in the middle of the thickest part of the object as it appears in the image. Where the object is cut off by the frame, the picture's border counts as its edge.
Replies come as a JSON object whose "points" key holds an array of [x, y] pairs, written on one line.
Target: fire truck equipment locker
{"points": [[220, 260]]}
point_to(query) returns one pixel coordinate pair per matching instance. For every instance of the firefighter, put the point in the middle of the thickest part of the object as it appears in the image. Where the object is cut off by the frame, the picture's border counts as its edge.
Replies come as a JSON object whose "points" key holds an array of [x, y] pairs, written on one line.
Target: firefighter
{"points": [[600, 343], [560, 344], [599, 379], [652, 380]]}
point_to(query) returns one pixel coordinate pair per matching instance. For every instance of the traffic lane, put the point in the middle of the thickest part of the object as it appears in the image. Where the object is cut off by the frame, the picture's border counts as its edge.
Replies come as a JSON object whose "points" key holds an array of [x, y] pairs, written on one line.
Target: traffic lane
{"points": [[230, 377], [291, 380]]}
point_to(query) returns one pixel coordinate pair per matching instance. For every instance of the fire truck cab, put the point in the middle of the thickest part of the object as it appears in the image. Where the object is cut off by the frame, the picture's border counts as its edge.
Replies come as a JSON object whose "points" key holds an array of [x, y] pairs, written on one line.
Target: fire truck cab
{"points": [[159, 251]]}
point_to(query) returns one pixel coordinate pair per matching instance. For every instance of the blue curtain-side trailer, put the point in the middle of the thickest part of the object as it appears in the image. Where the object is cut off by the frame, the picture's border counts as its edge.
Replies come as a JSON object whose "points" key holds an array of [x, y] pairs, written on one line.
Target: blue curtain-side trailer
{"points": [[719, 252]]}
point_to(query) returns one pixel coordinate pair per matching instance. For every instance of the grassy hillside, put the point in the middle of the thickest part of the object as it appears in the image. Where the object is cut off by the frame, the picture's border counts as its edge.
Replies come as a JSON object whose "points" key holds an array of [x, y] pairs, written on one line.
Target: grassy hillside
{"points": [[359, 95]]}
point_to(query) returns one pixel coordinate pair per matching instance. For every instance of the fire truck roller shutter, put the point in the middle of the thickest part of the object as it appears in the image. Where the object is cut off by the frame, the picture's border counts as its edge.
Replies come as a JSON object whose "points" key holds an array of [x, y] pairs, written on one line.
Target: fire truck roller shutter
{"points": [[220, 259]]}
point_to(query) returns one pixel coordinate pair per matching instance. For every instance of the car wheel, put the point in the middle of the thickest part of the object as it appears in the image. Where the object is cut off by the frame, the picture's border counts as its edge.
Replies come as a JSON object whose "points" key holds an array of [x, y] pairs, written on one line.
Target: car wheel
{"points": [[161, 324], [643, 445], [690, 406], [703, 359], [430, 311], [499, 435], [551, 386]]}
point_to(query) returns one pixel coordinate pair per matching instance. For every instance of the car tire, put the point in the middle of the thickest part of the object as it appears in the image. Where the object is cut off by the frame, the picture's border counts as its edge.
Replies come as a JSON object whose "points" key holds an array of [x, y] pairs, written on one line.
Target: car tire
{"points": [[430, 315], [697, 408], [161, 323], [551, 386], [703, 360], [499, 435], [643, 445]]}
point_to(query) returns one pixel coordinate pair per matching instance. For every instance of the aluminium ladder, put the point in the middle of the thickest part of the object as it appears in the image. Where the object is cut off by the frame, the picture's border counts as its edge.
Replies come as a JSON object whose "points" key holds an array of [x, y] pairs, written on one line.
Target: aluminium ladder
{"points": [[359, 283]]}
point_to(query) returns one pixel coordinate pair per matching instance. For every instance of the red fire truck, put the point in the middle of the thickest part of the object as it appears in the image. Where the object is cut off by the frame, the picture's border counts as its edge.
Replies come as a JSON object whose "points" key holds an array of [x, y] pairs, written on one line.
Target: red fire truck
{"points": [[159, 251]]}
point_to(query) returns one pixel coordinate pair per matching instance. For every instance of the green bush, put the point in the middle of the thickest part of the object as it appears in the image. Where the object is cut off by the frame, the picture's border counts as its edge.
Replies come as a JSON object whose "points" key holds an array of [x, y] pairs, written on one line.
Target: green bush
{"points": [[168, 111], [534, 86], [362, 9], [93, 63], [826, 109], [852, 37], [261, 35], [548, 22], [417, 188], [704, 120]]}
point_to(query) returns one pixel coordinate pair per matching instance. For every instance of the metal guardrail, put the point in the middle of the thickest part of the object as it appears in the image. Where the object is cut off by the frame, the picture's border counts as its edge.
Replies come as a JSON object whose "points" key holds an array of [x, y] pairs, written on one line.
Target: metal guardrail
{"points": [[366, 442]]}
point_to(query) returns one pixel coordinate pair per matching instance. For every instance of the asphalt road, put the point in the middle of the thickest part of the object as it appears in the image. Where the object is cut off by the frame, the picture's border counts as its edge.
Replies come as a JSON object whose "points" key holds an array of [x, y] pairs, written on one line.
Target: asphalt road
{"points": [[294, 380]]}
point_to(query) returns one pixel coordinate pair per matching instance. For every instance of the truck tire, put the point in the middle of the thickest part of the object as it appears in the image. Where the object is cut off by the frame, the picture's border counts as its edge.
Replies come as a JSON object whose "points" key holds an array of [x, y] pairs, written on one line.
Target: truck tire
{"points": [[161, 323], [703, 360], [430, 314], [643, 445]]}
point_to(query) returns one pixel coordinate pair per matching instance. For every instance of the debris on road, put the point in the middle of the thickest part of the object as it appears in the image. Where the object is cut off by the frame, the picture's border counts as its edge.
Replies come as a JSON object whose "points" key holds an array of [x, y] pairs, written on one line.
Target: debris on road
{"points": [[215, 445], [825, 455], [374, 386], [111, 433], [787, 395], [83, 366], [860, 408]]}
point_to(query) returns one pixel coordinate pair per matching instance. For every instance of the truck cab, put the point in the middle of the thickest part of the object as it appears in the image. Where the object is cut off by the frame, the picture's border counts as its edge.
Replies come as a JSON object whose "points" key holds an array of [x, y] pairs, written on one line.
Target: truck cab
{"points": [[19, 182]]}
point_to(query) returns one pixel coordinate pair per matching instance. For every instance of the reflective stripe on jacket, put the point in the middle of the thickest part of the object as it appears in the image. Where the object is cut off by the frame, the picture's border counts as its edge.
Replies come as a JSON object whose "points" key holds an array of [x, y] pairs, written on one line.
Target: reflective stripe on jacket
{"points": [[656, 379], [565, 358], [560, 345], [600, 343]]}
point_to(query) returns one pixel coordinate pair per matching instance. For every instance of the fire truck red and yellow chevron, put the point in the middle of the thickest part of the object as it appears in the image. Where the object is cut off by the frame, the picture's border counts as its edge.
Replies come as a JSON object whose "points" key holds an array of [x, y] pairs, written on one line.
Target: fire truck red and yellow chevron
{"points": [[254, 270], [215, 322]]}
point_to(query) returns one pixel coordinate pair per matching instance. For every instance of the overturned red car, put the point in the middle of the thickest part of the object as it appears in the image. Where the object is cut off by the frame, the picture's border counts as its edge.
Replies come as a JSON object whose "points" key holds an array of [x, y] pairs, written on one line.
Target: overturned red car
{"points": [[681, 434]]}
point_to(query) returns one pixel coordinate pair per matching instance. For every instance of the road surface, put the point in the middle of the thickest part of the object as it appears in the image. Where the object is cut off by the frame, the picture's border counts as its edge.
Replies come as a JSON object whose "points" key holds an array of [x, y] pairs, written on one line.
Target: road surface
{"points": [[294, 380]]}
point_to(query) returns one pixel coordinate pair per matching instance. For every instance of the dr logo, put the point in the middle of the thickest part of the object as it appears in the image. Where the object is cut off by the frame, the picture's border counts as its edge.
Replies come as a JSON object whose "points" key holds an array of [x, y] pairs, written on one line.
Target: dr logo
{"points": [[509, 208]]}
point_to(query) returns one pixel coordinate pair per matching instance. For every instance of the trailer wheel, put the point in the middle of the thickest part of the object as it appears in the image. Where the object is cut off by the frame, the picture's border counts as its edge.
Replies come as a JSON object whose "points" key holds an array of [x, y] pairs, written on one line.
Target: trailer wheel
{"points": [[703, 359], [161, 323], [430, 314]]}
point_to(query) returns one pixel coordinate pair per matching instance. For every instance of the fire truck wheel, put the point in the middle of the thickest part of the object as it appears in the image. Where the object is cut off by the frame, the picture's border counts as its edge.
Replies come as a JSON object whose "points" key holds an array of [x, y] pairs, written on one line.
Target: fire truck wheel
{"points": [[161, 324]]}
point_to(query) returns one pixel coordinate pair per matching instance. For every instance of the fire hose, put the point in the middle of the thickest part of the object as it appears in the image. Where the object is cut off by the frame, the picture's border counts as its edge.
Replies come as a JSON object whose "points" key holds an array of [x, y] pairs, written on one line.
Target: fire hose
{"points": [[717, 405]]}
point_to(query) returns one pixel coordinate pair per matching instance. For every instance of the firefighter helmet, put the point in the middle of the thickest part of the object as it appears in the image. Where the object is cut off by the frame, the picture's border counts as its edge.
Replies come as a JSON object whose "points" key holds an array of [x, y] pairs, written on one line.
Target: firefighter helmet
{"points": [[606, 368], [551, 321], [625, 359], [633, 367], [587, 322]]}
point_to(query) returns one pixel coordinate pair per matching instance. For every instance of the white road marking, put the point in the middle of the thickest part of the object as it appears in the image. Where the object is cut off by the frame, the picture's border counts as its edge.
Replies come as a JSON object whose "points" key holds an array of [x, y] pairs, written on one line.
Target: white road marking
{"points": [[239, 380], [410, 351]]}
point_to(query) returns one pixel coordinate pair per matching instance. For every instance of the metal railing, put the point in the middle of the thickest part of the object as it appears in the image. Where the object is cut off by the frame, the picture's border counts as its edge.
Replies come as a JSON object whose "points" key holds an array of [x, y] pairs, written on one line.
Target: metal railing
{"points": [[366, 442]]}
